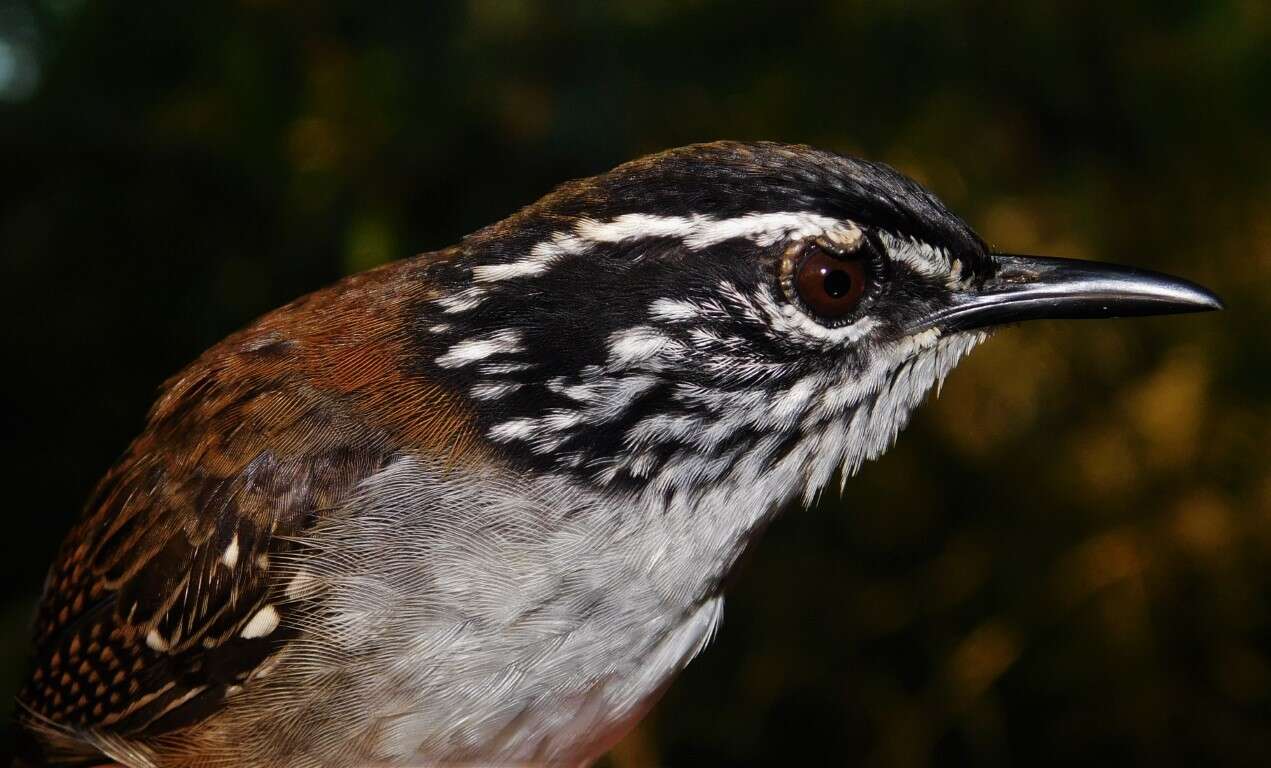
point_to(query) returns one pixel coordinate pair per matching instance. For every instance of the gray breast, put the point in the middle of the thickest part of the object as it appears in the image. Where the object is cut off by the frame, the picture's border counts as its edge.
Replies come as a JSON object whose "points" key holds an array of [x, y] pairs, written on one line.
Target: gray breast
{"points": [[487, 619]]}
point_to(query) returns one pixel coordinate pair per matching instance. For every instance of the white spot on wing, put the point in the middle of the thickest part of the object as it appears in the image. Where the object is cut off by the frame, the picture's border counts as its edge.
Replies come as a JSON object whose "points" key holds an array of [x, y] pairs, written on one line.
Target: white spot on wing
{"points": [[230, 557], [264, 622], [156, 641]]}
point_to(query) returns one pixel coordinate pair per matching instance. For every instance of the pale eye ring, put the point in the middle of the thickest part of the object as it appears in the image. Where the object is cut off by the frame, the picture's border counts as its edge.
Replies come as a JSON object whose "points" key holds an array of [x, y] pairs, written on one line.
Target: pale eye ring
{"points": [[827, 283]]}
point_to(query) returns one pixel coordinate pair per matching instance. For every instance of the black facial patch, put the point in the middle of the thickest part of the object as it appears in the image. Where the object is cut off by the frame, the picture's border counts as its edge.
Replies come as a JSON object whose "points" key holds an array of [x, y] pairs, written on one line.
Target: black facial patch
{"points": [[554, 304]]}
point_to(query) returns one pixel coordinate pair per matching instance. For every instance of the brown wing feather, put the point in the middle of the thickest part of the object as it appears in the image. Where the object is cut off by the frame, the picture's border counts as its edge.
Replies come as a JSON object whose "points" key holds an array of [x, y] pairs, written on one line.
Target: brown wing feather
{"points": [[141, 629]]}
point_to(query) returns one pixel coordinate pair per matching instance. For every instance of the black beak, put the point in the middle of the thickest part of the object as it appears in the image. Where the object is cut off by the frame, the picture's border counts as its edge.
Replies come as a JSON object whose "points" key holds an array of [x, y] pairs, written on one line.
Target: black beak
{"points": [[1037, 288]]}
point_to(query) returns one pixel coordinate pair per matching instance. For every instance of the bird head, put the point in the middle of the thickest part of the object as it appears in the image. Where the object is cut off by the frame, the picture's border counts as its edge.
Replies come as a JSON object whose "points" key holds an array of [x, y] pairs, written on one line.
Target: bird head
{"points": [[751, 316]]}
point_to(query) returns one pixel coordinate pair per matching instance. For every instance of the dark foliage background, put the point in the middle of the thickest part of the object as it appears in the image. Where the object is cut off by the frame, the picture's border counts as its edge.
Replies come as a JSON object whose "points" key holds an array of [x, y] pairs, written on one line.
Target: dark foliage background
{"points": [[1065, 559]]}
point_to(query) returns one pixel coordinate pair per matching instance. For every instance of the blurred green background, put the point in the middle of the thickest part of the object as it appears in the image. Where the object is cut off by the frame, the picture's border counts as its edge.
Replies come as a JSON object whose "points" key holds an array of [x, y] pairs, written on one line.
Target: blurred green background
{"points": [[1067, 558]]}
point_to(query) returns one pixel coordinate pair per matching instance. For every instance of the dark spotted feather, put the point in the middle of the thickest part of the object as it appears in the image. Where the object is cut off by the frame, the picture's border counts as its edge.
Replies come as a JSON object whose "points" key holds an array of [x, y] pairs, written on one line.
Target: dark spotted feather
{"points": [[141, 630]]}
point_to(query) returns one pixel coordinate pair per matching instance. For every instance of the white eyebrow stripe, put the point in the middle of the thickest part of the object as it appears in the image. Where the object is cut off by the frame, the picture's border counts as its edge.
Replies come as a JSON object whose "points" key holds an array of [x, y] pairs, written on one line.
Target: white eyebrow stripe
{"points": [[697, 231], [765, 228], [700, 231], [925, 259], [638, 226]]}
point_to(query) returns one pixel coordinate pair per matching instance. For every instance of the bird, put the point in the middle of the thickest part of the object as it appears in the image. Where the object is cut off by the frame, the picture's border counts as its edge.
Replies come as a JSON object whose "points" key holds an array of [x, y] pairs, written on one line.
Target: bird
{"points": [[479, 506]]}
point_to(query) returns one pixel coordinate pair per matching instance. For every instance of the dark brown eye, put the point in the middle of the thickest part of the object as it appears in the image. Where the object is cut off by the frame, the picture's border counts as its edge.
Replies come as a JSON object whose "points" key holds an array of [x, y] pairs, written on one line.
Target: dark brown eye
{"points": [[830, 285]]}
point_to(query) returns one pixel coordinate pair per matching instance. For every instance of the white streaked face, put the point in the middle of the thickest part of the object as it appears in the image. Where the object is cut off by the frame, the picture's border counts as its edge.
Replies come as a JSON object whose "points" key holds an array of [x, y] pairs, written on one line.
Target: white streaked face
{"points": [[668, 352]]}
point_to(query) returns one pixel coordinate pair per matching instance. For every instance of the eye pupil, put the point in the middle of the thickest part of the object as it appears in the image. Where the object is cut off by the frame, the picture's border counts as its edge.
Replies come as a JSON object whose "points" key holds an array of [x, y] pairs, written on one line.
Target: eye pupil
{"points": [[828, 284], [838, 284]]}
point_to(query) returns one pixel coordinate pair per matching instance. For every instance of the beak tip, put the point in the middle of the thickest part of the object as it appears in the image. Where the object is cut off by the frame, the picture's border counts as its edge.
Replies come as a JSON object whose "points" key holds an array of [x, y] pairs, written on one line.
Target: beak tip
{"points": [[1212, 303], [1038, 287], [1194, 298]]}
